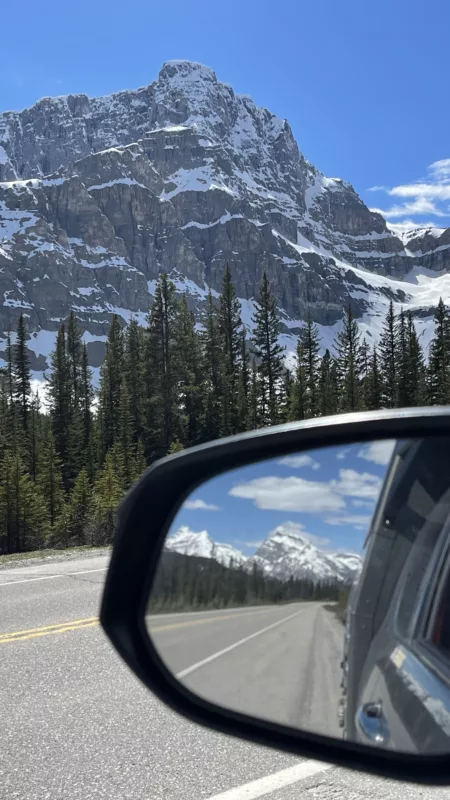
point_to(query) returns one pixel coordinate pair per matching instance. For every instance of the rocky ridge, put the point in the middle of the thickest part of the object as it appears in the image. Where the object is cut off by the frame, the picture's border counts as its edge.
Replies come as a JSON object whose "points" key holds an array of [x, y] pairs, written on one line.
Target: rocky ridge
{"points": [[98, 196]]}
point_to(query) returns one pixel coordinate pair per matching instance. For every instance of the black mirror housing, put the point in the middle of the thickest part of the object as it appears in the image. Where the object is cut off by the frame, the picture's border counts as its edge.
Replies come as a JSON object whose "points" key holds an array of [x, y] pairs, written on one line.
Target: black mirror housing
{"points": [[144, 519]]}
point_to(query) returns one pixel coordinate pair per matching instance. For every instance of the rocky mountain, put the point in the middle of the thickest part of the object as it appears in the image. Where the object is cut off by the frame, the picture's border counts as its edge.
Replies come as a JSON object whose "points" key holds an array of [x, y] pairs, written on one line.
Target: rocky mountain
{"points": [[282, 555], [98, 196], [190, 543]]}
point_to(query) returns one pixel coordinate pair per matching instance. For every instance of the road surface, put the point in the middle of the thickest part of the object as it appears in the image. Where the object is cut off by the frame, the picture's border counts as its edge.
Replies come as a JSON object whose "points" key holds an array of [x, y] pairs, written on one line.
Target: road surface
{"points": [[277, 662], [77, 725]]}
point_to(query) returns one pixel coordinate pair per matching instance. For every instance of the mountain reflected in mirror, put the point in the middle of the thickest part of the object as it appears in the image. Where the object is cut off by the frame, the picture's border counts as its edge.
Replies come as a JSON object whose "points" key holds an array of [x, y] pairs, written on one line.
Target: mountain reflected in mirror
{"points": [[249, 607]]}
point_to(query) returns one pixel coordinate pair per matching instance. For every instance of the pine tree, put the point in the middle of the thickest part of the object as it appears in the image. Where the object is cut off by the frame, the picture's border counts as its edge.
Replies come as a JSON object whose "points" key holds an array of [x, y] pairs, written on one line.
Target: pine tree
{"points": [[35, 434], [10, 370], [22, 373], [50, 480], [349, 364], [365, 373], [23, 517], [110, 383], [244, 380], [139, 462], [161, 377], [388, 359], [134, 375], [125, 439], [439, 358], [373, 385], [230, 332], [253, 409], [402, 358], [310, 341], [86, 397], [190, 388], [211, 366], [79, 510], [328, 385], [59, 400], [107, 495], [299, 391], [417, 372], [268, 351]]}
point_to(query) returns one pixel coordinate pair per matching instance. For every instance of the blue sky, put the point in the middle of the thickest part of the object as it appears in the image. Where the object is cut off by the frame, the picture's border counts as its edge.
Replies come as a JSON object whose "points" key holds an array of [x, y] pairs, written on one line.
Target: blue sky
{"points": [[364, 85], [327, 495]]}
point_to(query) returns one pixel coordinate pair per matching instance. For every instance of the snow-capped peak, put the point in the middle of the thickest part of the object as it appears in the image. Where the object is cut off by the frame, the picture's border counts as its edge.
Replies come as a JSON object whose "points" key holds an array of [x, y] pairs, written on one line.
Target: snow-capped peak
{"points": [[200, 544], [288, 551]]}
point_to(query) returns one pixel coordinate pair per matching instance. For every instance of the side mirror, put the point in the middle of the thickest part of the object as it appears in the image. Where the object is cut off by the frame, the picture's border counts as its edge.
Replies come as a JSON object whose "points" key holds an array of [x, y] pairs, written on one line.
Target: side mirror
{"points": [[290, 587]]}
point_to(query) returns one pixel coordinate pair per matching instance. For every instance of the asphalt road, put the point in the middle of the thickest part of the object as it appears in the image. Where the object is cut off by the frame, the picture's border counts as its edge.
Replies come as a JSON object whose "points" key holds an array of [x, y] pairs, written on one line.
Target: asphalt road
{"points": [[75, 723]]}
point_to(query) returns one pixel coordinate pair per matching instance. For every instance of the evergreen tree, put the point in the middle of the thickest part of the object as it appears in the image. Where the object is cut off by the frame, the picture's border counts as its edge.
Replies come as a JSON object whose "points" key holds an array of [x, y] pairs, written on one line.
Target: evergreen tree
{"points": [[211, 367], [134, 375], [310, 340], [365, 373], [110, 383], [253, 409], [161, 377], [403, 372], [268, 352], [388, 360], [125, 439], [299, 391], [107, 495], [417, 372], [244, 380], [23, 515], [21, 373], [190, 379], [79, 510], [10, 370], [328, 385], [439, 358], [349, 363], [86, 397], [50, 480], [59, 400], [230, 332], [373, 385]]}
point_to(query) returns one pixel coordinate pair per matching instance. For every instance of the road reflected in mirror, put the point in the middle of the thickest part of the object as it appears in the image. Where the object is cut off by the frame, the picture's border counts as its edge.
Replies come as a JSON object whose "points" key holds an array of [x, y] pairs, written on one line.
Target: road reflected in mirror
{"points": [[280, 585]]}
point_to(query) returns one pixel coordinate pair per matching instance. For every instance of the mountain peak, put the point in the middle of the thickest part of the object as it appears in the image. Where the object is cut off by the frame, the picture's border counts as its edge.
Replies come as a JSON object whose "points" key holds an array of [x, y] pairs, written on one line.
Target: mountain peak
{"points": [[185, 69]]}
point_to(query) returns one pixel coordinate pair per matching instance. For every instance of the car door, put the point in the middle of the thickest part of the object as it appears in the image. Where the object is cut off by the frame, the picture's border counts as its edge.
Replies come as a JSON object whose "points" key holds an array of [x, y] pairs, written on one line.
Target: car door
{"points": [[405, 699]]}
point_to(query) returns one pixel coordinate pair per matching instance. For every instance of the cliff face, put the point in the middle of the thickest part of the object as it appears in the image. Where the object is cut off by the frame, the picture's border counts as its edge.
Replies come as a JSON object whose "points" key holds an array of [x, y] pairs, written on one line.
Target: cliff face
{"points": [[99, 196]]}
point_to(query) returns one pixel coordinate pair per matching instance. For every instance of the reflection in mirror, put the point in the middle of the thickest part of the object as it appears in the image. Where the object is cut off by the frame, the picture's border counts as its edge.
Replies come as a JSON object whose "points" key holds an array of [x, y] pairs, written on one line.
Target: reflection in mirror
{"points": [[260, 603]]}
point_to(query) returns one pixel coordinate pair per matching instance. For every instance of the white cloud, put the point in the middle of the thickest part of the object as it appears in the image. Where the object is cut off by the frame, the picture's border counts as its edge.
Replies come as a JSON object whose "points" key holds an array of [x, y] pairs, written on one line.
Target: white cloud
{"points": [[315, 497], [378, 452], [256, 543], [357, 484], [363, 503], [200, 505], [342, 453], [299, 461], [289, 494], [425, 196]]}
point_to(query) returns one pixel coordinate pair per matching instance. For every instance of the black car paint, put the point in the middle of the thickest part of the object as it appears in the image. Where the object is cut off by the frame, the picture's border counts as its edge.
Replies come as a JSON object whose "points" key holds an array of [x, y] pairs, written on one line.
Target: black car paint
{"points": [[387, 658]]}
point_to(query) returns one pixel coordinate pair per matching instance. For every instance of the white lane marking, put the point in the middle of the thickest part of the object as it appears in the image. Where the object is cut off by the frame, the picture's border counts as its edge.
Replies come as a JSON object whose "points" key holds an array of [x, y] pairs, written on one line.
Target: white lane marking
{"points": [[52, 577], [230, 647], [277, 780]]}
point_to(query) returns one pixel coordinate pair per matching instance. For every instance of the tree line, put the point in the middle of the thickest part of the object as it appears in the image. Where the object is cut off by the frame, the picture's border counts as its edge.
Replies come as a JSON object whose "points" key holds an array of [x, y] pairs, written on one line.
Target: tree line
{"points": [[173, 384], [191, 583]]}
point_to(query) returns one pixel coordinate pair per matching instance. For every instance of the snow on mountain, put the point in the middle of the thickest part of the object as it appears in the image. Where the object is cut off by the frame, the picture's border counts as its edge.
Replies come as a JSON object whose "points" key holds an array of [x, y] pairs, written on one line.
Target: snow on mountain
{"points": [[285, 553], [99, 196], [192, 543]]}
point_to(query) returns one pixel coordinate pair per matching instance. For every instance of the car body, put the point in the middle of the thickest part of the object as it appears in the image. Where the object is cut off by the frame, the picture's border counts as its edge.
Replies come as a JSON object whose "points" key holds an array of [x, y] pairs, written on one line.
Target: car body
{"points": [[396, 664]]}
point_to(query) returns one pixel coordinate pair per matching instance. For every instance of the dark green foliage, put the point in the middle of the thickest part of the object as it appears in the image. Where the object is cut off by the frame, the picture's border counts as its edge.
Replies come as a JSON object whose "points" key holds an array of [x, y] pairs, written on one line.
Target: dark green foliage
{"points": [[66, 463], [348, 349], [268, 352], [189, 582], [388, 356]]}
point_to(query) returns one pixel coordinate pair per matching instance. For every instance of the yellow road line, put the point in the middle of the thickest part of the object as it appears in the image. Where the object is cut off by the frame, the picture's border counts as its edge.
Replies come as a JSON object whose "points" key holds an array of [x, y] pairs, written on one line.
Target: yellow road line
{"points": [[90, 622], [62, 628]]}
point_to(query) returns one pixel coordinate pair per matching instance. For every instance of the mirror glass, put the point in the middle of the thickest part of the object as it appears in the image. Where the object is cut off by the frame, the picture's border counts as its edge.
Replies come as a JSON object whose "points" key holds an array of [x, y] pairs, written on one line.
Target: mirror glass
{"points": [[303, 589]]}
